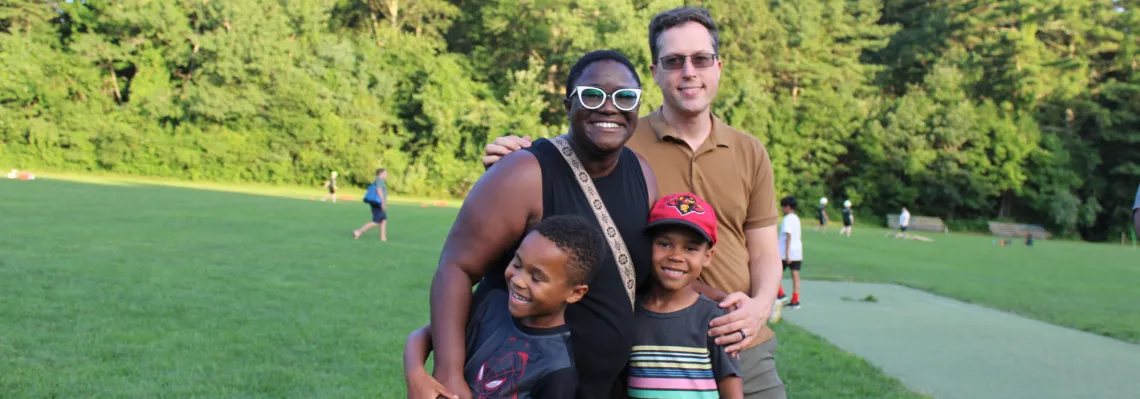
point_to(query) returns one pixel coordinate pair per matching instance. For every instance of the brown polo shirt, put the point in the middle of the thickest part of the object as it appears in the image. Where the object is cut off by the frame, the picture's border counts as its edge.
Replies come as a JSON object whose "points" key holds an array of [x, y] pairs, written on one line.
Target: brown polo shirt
{"points": [[732, 171]]}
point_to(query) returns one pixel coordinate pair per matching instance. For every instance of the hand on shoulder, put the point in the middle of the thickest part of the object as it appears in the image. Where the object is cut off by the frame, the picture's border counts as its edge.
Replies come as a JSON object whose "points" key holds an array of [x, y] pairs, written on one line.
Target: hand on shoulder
{"points": [[502, 146]]}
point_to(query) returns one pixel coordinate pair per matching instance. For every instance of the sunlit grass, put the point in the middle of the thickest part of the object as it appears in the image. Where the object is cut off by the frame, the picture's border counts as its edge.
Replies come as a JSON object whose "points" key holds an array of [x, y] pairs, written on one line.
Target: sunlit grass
{"points": [[144, 290]]}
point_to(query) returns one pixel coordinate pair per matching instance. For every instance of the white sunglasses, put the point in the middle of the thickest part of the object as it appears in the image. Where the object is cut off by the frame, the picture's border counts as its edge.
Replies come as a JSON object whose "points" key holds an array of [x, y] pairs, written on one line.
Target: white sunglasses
{"points": [[593, 98]]}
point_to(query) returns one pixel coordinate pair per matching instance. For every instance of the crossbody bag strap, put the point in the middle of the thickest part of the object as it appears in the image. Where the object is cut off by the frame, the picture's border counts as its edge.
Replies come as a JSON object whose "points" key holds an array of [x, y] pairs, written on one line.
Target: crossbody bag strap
{"points": [[617, 244]]}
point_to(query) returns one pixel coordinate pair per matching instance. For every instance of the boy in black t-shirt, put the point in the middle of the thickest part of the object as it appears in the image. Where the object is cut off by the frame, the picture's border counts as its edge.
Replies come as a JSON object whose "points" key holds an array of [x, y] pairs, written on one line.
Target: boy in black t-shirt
{"points": [[518, 344], [848, 218], [821, 214]]}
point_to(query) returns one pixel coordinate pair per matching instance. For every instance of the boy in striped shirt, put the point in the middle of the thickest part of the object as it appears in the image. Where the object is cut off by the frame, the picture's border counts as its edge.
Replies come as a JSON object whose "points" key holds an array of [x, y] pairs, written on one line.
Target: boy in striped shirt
{"points": [[673, 356]]}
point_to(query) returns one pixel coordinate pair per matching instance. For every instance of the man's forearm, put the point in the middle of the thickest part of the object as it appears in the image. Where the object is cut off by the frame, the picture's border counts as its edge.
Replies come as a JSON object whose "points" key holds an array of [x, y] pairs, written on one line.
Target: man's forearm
{"points": [[764, 267], [450, 300], [766, 272]]}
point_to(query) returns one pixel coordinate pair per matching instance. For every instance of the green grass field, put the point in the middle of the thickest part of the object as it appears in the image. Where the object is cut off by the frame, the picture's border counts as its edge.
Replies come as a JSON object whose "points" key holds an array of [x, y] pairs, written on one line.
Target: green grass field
{"points": [[120, 289], [1086, 286]]}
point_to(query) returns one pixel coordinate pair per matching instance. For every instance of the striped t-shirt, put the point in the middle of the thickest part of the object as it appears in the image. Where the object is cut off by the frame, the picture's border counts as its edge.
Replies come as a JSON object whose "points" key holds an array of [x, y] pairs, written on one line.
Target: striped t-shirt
{"points": [[673, 357]]}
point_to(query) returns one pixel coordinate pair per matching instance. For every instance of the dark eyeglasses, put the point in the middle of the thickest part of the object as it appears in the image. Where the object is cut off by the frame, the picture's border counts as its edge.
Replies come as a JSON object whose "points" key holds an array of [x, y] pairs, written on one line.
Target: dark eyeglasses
{"points": [[700, 60], [593, 98]]}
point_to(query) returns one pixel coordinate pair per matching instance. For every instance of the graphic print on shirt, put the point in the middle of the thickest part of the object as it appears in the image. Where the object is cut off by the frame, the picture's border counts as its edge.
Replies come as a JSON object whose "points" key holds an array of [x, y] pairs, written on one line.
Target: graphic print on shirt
{"points": [[501, 373], [671, 372]]}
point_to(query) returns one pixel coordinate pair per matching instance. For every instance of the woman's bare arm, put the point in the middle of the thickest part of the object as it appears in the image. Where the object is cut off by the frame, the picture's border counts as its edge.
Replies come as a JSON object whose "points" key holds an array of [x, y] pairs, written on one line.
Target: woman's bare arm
{"points": [[493, 218]]}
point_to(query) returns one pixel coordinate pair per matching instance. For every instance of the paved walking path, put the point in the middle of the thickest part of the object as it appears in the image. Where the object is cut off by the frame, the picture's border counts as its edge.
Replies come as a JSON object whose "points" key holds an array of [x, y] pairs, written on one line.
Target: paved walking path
{"points": [[950, 349]]}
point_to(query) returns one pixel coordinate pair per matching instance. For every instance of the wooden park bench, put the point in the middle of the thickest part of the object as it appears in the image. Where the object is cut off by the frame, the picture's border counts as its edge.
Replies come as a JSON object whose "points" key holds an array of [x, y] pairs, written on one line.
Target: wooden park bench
{"points": [[919, 223], [1016, 230]]}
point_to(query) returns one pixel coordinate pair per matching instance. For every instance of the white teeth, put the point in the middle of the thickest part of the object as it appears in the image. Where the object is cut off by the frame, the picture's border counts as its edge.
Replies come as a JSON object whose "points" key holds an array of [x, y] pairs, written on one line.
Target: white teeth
{"points": [[518, 297], [605, 124], [673, 272]]}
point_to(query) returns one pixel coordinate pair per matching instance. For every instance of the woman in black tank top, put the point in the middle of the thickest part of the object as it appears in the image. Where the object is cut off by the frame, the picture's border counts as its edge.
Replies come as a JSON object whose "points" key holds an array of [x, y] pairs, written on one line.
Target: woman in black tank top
{"points": [[525, 187], [601, 324]]}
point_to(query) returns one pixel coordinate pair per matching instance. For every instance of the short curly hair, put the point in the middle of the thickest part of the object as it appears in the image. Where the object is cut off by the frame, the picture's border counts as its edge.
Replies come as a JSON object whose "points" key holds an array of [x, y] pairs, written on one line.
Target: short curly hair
{"points": [[581, 240]]}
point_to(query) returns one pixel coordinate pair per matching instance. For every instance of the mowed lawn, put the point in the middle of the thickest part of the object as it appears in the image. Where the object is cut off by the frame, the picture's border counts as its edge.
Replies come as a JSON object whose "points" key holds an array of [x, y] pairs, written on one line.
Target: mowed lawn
{"points": [[126, 290], [1086, 286]]}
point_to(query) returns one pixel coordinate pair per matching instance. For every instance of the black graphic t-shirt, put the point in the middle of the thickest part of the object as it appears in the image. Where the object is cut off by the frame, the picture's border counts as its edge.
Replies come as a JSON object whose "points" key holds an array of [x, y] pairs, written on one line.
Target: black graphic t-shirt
{"points": [[846, 216], [506, 359]]}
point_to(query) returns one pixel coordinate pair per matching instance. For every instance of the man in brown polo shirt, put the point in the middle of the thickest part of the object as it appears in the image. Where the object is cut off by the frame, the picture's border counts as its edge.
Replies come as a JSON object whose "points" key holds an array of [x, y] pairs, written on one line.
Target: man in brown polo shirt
{"points": [[690, 149]]}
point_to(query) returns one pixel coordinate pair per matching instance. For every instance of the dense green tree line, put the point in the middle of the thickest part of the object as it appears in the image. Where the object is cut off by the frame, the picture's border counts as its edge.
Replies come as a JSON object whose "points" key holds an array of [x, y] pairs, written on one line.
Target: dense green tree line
{"points": [[966, 109]]}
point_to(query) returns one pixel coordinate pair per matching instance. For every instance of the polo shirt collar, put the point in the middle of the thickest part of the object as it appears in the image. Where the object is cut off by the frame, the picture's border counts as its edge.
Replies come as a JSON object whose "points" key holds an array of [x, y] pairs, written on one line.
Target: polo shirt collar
{"points": [[718, 137]]}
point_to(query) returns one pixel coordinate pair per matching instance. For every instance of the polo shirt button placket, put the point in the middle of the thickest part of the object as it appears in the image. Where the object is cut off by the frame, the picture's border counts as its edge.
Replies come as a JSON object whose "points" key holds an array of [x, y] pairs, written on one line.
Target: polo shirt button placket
{"points": [[693, 173]]}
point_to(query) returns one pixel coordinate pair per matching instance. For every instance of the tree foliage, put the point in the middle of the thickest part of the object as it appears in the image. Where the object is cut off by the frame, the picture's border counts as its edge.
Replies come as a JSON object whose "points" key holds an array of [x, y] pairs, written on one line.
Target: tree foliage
{"points": [[1026, 110]]}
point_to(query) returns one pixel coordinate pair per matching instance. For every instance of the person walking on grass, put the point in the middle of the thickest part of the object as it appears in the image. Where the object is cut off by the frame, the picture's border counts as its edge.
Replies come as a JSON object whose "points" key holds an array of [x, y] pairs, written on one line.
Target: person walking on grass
{"points": [[904, 222], [330, 184], [848, 219], [380, 209], [822, 216], [791, 248]]}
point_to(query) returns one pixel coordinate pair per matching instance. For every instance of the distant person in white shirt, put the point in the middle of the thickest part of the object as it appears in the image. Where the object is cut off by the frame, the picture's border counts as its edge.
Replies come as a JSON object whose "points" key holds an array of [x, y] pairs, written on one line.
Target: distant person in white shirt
{"points": [[904, 221], [791, 248], [1135, 214]]}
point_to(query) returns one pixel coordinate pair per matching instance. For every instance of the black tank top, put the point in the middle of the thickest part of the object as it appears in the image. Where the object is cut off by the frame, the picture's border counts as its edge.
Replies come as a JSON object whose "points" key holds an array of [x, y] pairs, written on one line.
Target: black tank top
{"points": [[602, 323]]}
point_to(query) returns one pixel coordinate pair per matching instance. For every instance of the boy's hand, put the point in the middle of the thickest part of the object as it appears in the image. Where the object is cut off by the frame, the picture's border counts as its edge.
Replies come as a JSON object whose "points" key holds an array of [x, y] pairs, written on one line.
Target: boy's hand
{"points": [[423, 386]]}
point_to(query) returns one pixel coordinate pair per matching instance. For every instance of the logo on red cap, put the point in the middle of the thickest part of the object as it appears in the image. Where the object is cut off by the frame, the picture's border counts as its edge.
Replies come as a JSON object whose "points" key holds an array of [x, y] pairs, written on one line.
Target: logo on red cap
{"points": [[685, 204]]}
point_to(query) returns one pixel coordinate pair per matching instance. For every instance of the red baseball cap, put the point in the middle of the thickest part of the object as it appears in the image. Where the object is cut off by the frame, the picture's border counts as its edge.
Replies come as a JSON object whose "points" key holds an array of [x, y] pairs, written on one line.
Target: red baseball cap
{"points": [[684, 209]]}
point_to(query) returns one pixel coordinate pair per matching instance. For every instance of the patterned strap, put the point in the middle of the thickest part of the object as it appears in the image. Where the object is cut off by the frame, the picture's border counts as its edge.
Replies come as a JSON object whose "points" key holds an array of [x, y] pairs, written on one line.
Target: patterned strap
{"points": [[617, 244]]}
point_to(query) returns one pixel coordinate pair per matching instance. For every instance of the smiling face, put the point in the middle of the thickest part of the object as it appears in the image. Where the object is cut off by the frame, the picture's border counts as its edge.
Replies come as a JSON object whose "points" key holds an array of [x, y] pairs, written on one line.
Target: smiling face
{"points": [[687, 90], [679, 256], [538, 283], [605, 129]]}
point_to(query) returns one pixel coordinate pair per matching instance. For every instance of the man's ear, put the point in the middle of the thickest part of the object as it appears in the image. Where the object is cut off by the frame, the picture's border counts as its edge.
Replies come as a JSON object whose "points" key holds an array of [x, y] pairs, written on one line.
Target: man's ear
{"points": [[566, 103], [577, 293], [653, 70]]}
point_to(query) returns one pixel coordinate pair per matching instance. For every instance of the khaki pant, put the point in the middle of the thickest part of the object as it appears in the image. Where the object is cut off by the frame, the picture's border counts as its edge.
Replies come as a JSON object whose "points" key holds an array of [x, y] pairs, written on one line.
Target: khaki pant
{"points": [[758, 370]]}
